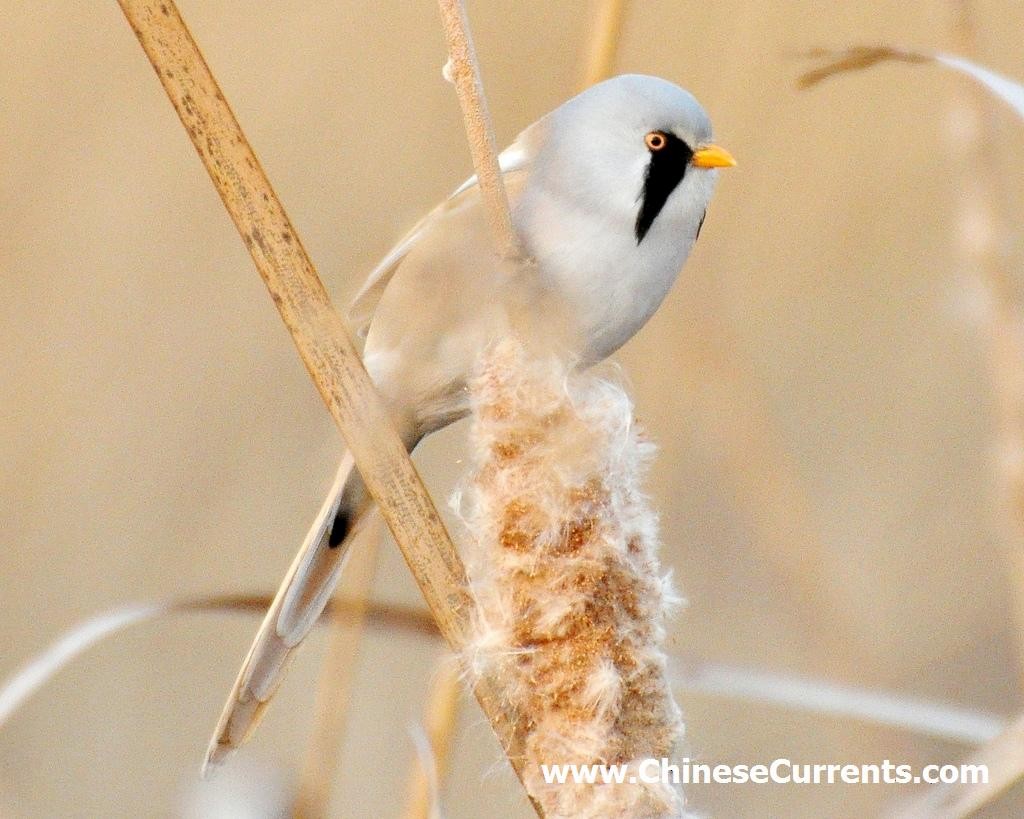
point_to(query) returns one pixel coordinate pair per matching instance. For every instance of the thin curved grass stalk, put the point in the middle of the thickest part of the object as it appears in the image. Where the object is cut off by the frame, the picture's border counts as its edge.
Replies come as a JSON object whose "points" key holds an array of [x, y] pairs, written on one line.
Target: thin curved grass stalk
{"points": [[812, 696], [40, 669], [604, 42], [334, 689], [434, 742], [571, 597], [799, 694], [316, 327]]}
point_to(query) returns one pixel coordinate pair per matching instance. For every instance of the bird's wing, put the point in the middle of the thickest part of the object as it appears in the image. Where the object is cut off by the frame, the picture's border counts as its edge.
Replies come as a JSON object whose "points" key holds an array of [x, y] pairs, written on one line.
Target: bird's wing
{"points": [[315, 569], [514, 158]]}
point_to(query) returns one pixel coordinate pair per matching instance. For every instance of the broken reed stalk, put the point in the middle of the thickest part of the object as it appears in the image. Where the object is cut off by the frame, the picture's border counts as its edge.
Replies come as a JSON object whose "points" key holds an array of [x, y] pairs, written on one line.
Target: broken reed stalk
{"points": [[604, 43], [463, 68], [440, 717], [334, 690], [571, 600], [317, 330]]}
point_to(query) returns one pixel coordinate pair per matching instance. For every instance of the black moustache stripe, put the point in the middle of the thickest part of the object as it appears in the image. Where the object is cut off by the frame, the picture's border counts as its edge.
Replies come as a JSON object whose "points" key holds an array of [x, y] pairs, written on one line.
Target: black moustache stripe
{"points": [[664, 173]]}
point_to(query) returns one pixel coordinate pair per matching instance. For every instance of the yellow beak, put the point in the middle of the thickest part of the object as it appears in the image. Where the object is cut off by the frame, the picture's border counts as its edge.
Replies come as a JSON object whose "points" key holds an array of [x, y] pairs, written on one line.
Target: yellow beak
{"points": [[711, 156]]}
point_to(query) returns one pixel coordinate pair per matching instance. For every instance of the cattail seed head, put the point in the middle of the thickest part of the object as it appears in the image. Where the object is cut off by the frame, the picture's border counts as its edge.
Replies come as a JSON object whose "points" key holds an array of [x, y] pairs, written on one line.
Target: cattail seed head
{"points": [[571, 598]]}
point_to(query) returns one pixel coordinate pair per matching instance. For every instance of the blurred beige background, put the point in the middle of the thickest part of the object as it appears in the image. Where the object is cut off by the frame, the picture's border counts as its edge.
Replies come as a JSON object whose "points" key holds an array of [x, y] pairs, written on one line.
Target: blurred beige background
{"points": [[159, 435]]}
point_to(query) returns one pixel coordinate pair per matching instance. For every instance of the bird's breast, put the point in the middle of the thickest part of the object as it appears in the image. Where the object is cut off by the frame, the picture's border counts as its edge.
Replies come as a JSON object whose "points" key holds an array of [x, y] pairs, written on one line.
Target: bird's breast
{"points": [[591, 262]]}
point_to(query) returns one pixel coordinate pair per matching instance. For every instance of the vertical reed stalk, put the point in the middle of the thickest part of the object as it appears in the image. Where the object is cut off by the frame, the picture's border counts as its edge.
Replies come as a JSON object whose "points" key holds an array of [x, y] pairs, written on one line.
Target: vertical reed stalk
{"points": [[604, 42], [440, 718], [334, 691]]}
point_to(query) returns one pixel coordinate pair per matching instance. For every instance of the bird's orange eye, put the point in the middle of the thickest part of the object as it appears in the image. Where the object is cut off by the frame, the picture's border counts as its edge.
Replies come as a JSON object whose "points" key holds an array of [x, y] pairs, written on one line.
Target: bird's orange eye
{"points": [[655, 140]]}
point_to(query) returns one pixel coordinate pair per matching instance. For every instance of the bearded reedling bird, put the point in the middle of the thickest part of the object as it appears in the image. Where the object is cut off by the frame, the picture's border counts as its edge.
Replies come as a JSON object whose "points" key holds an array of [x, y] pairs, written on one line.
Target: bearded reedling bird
{"points": [[608, 194]]}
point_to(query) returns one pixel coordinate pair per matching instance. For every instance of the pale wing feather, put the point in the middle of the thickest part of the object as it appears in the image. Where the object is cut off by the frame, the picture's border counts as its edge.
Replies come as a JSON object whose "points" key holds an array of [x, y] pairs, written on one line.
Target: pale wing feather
{"points": [[363, 306]]}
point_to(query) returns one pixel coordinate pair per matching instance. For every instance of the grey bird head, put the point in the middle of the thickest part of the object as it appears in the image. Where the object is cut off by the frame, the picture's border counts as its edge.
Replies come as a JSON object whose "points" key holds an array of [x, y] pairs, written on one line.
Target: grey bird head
{"points": [[637, 149]]}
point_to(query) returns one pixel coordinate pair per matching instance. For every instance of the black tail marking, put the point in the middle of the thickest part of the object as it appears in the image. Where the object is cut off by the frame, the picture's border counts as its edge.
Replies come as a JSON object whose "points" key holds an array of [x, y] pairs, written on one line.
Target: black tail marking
{"points": [[339, 530]]}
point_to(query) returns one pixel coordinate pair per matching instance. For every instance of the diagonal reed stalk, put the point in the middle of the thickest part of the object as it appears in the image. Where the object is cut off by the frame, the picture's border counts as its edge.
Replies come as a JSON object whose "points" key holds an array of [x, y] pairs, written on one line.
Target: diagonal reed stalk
{"points": [[317, 328], [332, 699]]}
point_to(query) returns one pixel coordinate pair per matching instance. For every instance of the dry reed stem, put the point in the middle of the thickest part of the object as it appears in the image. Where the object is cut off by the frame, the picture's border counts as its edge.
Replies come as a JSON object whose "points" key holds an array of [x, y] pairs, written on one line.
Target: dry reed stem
{"points": [[857, 58], [465, 74], [34, 673], [299, 295], [440, 718], [334, 690], [570, 595], [316, 327], [817, 697], [604, 43]]}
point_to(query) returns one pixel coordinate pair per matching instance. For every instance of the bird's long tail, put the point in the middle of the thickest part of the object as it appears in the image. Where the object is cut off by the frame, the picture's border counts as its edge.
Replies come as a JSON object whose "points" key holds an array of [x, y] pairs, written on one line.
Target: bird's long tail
{"points": [[298, 604]]}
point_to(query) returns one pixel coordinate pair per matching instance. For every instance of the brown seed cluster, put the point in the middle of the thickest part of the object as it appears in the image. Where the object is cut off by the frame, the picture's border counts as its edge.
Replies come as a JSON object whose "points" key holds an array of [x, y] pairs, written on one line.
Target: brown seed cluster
{"points": [[570, 593]]}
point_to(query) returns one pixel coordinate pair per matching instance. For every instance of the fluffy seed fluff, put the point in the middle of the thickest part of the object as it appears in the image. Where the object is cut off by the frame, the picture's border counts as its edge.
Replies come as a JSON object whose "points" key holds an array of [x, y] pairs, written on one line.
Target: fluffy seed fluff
{"points": [[571, 598]]}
